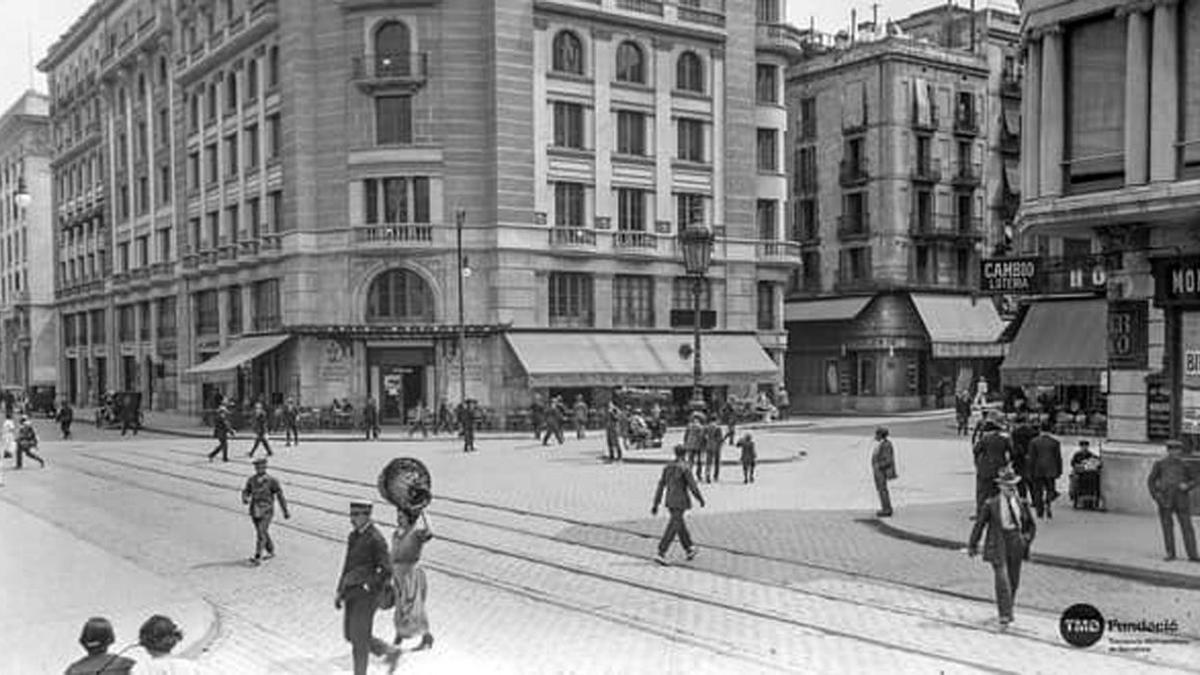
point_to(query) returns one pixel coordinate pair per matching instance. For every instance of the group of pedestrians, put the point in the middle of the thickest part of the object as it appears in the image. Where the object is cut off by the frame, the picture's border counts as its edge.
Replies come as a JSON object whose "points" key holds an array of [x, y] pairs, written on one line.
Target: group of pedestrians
{"points": [[152, 655]]}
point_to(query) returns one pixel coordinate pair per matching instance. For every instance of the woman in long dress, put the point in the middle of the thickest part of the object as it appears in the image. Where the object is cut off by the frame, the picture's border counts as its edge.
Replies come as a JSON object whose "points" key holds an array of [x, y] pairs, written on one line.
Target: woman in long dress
{"points": [[410, 618]]}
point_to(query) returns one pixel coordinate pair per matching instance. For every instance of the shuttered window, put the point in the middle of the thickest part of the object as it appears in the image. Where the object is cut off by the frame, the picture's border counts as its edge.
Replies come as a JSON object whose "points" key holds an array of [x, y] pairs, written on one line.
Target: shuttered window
{"points": [[1189, 93], [1096, 100]]}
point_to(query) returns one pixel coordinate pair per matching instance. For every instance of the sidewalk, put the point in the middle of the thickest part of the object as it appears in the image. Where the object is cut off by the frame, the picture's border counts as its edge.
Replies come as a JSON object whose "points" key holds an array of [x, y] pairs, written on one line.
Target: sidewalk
{"points": [[1122, 545], [53, 582]]}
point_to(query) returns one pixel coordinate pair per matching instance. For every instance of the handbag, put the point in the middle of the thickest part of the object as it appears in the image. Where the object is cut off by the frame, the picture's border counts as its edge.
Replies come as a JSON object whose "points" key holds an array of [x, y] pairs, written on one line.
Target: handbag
{"points": [[387, 596]]}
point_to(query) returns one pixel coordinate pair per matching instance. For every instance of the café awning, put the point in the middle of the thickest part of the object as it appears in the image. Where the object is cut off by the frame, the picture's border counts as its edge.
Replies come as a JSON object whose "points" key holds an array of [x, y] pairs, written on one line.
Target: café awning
{"points": [[235, 354], [831, 309], [635, 359], [1060, 342], [960, 327]]}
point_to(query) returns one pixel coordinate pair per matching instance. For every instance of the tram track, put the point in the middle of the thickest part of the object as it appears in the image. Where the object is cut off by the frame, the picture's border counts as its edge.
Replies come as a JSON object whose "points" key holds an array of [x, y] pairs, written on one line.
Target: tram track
{"points": [[810, 594]]}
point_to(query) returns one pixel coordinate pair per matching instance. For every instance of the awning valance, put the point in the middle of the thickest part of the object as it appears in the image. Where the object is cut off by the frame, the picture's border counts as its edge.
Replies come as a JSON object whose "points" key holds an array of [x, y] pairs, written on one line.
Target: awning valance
{"points": [[1059, 342], [613, 359], [832, 309], [960, 327], [237, 353]]}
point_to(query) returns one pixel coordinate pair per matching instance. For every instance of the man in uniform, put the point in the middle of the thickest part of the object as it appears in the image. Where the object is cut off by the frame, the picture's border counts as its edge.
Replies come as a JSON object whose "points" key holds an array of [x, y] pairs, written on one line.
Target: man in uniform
{"points": [[366, 569], [1170, 481], [221, 431], [260, 494], [260, 429]]}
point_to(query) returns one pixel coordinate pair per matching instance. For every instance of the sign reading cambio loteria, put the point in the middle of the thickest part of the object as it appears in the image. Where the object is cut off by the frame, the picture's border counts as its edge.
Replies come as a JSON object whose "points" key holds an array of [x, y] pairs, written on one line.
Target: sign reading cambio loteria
{"points": [[1010, 275]]}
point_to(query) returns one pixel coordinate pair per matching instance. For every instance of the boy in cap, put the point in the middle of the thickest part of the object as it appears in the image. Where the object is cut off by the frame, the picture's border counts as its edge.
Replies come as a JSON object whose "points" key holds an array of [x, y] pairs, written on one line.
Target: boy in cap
{"points": [[97, 636], [365, 572], [1010, 531], [260, 494]]}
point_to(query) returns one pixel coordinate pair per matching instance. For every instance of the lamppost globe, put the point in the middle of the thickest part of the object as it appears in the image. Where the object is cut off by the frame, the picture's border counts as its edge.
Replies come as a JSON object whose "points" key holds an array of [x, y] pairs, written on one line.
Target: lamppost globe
{"points": [[23, 198]]}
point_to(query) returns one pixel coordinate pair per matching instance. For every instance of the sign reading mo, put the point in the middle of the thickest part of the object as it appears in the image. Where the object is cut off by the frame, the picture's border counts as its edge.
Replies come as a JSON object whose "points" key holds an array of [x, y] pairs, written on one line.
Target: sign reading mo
{"points": [[1010, 275]]}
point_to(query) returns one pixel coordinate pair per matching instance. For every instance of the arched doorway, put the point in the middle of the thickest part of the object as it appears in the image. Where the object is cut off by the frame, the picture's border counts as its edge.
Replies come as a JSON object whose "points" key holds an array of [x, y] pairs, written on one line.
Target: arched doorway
{"points": [[393, 45], [400, 376]]}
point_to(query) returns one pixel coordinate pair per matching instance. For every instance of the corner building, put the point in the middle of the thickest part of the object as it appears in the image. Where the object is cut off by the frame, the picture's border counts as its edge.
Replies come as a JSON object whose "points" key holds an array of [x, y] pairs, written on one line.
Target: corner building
{"points": [[319, 154]]}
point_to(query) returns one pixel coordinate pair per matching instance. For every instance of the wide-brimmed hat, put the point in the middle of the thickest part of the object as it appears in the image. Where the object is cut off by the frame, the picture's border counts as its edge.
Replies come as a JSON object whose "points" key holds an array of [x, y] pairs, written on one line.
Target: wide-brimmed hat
{"points": [[1007, 477], [259, 461]]}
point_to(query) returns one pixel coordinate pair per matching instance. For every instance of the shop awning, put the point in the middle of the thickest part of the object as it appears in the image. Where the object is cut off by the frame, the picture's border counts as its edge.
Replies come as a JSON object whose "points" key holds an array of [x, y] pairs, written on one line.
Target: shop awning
{"points": [[1012, 177], [237, 353], [649, 360], [832, 309], [1059, 342], [959, 327]]}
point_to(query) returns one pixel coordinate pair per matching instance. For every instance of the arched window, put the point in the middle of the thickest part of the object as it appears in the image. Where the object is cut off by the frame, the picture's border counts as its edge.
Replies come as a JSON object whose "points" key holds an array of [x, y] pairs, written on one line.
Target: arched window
{"points": [[631, 66], [392, 47], [399, 296], [689, 73], [568, 53], [162, 70]]}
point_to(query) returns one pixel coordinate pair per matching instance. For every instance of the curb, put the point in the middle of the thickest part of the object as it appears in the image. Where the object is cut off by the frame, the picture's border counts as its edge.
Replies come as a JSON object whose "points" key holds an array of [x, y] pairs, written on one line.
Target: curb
{"points": [[205, 642], [1153, 577]]}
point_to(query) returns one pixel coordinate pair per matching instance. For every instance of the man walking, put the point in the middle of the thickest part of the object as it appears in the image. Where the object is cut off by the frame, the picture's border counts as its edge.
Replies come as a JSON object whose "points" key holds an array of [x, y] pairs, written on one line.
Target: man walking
{"points": [[1022, 435], [1010, 531], [291, 421], [64, 417], [581, 417], [612, 431], [365, 571], [260, 429], [260, 494], [371, 418], [467, 420], [221, 431], [1045, 466], [554, 421], [679, 485], [27, 440], [883, 468], [992, 452], [1170, 481], [537, 416], [713, 440], [420, 421], [693, 442], [129, 415]]}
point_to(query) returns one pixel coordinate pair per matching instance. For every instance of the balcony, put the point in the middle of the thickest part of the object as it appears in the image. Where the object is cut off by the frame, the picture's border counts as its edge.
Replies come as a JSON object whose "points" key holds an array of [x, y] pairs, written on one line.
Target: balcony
{"points": [[929, 171], [635, 241], [966, 123], [234, 37], [392, 235], [1010, 143], [852, 173], [929, 122], [780, 38], [968, 175], [390, 71], [654, 7], [944, 227], [786, 253], [1010, 85], [270, 243], [707, 12], [853, 226], [572, 237]]}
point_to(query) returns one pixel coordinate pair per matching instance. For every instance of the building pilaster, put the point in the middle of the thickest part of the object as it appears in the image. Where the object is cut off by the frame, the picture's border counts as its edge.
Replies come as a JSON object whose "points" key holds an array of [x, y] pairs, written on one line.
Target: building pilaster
{"points": [[1031, 96], [1050, 145], [1164, 91], [1137, 94]]}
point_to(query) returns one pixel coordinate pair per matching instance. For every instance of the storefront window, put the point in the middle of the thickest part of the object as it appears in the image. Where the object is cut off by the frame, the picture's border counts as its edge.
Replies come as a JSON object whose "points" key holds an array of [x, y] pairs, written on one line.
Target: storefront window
{"points": [[1189, 378]]}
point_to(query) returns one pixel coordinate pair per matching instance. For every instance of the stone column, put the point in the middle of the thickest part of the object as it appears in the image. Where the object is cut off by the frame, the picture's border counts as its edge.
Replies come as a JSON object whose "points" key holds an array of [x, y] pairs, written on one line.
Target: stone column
{"points": [[1031, 112], [1164, 91], [1137, 94], [1052, 122]]}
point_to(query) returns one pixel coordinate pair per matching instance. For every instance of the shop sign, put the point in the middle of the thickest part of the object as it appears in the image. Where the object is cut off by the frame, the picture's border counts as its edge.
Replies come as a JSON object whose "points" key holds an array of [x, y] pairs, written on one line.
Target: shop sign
{"points": [[1128, 335], [1177, 281], [1010, 275], [1191, 363]]}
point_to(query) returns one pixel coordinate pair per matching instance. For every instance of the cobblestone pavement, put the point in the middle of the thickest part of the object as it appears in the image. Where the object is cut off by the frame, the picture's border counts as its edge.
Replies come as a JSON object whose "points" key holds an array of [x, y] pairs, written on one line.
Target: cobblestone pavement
{"points": [[514, 591]]}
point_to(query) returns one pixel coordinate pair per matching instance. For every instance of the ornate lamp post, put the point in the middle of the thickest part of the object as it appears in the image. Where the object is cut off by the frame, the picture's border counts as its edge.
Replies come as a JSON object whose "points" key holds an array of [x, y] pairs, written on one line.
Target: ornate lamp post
{"points": [[460, 216], [695, 241]]}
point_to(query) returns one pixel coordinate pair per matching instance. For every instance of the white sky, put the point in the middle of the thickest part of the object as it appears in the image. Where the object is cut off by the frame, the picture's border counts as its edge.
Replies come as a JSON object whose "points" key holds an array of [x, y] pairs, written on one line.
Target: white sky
{"points": [[33, 25]]}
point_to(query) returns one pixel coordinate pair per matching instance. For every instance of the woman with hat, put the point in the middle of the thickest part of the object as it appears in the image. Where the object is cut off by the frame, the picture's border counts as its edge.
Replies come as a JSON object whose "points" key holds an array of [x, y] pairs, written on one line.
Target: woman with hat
{"points": [[1010, 531]]}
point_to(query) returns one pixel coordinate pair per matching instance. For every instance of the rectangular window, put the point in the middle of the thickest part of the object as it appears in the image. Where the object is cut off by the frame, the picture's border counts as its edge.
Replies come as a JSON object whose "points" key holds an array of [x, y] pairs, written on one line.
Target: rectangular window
{"points": [[164, 244], [143, 250], [681, 293], [164, 184], [568, 125], [766, 216], [811, 267], [210, 151], [167, 321], [806, 227], [766, 305], [571, 300], [371, 201], [267, 315], [689, 209], [393, 120], [211, 99], [768, 150], [214, 229], [855, 264], [231, 156], [395, 200], [569, 205], [194, 111], [143, 196], [252, 146], [254, 216], [804, 169], [123, 256], [193, 171], [144, 321], [633, 301], [207, 313], [808, 118], [766, 83], [125, 323], [691, 140], [420, 200], [194, 234], [232, 223], [274, 136], [631, 210], [1096, 102], [233, 310], [275, 203], [99, 330], [123, 202], [631, 132]]}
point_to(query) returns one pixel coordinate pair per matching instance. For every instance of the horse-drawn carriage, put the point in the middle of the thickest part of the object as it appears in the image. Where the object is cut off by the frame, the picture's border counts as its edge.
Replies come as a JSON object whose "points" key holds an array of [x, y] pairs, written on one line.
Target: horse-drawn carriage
{"points": [[116, 407]]}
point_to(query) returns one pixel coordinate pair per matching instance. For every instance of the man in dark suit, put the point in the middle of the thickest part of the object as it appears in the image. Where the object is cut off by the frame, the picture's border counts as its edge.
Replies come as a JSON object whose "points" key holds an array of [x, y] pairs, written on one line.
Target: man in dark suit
{"points": [[1022, 435], [612, 431], [883, 468], [1045, 466], [366, 569], [222, 430], [679, 484], [259, 424], [1010, 531], [1170, 481], [992, 452]]}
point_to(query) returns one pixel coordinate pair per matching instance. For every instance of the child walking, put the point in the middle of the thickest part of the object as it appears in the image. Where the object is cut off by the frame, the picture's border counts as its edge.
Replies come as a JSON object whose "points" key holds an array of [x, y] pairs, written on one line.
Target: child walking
{"points": [[749, 457]]}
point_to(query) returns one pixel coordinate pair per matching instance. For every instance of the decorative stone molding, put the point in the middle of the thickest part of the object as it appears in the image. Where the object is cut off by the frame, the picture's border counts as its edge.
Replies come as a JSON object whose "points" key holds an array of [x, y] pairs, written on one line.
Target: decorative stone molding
{"points": [[540, 23], [603, 222], [1135, 8], [717, 53], [539, 217], [1165, 3], [661, 43], [601, 34]]}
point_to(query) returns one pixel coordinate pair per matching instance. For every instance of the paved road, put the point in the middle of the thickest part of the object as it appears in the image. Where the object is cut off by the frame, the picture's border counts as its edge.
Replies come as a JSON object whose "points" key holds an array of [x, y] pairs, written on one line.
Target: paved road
{"points": [[541, 561]]}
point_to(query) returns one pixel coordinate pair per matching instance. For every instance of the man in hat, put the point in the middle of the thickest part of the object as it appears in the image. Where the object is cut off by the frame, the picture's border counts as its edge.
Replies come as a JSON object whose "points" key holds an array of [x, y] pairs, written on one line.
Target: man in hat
{"points": [[992, 452], [365, 572], [260, 494], [96, 638], [713, 440], [693, 442], [612, 431], [27, 440], [467, 419], [679, 484], [1045, 466], [221, 431], [260, 429], [1010, 531], [291, 422], [883, 469], [1170, 481]]}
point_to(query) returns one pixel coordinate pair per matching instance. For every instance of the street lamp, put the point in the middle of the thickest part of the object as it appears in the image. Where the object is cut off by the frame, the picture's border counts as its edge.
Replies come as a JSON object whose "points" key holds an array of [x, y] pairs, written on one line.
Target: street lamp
{"points": [[23, 198], [460, 216], [695, 242]]}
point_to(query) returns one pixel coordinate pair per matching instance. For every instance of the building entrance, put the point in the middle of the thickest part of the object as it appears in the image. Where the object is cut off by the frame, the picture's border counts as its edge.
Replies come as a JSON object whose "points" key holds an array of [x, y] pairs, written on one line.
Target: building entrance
{"points": [[399, 380]]}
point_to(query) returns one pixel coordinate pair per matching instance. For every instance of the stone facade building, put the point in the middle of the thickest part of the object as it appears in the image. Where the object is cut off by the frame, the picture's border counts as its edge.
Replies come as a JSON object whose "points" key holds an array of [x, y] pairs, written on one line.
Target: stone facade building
{"points": [[903, 166], [28, 324], [278, 186]]}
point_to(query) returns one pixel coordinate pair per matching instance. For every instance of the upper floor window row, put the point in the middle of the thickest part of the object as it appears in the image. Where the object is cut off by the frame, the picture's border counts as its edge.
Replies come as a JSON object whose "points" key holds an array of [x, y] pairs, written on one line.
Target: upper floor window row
{"points": [[567, 56]]}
